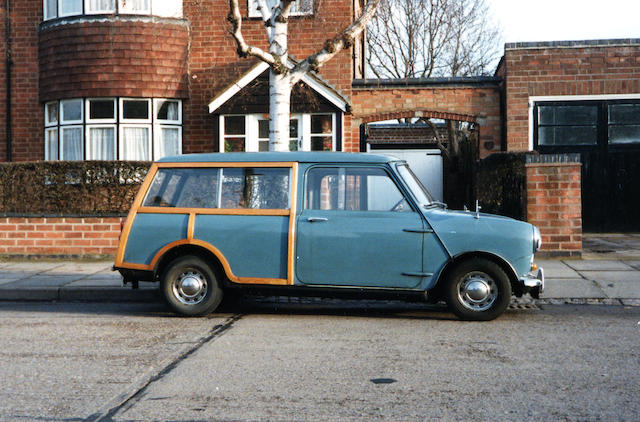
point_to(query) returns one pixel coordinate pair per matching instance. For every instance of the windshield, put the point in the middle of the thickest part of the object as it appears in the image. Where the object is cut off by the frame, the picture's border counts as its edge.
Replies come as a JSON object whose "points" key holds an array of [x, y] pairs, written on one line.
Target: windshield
{"points": [[419, 191]]}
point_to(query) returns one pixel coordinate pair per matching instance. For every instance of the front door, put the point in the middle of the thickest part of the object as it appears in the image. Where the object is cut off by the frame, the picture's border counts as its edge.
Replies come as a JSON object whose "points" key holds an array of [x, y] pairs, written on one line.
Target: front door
{"points": [[357, 229]]}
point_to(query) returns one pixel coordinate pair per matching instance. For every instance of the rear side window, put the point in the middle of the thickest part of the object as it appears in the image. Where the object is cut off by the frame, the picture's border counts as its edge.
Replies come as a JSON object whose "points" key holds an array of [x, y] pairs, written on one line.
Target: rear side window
{"points": [[211, 187]]}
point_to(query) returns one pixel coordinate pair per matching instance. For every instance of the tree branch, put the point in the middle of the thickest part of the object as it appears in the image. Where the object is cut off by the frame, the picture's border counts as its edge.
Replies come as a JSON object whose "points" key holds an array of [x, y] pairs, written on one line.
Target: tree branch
{"points": [[337, 44], [244, 50]]}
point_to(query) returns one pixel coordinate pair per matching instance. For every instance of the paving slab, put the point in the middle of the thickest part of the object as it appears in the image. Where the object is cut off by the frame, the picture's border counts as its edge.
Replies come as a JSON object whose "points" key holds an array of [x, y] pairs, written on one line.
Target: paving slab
{"points": [[598, 265], [618, 284], [633, 263], [40, 280], [572, 288], [557, 269], [83, 267], [107, 282]]}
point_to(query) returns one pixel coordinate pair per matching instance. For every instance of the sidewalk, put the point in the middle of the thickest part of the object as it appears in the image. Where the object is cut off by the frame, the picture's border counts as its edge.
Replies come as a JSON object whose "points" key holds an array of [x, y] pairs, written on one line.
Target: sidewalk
{"points": [[612, 281]]}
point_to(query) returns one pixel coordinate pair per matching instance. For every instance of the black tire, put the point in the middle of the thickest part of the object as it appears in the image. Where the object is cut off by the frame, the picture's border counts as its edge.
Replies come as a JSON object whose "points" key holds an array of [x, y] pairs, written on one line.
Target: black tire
{"points": [[190, 286], [477, 290]]}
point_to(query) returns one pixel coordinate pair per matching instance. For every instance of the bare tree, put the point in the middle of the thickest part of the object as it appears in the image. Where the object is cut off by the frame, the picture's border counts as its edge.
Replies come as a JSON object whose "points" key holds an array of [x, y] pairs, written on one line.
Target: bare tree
{"points": [[283, 73], [429, 38]]}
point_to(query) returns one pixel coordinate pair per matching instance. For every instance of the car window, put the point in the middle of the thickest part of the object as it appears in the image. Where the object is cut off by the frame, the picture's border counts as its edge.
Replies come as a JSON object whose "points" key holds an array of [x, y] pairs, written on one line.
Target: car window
{"points": [[352, 189], [210, 187]]}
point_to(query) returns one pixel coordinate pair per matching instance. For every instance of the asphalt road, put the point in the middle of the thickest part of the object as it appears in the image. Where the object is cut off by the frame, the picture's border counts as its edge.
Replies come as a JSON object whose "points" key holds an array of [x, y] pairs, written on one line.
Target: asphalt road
{"points": [[317, 361]]}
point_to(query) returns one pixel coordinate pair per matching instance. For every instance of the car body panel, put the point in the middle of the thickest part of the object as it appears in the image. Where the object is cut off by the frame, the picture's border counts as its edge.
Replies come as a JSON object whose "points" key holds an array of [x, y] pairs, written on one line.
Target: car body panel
{"points": [[254, 246]]}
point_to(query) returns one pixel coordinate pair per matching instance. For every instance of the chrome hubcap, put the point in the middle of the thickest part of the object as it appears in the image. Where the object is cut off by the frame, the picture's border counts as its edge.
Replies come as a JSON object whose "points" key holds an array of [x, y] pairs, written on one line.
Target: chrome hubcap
{"points": [[477, 291], [190, 287]]}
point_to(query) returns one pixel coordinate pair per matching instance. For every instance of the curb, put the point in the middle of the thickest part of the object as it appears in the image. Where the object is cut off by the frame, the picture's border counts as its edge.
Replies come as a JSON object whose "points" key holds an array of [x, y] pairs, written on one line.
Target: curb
{"points": [[81, 295]]}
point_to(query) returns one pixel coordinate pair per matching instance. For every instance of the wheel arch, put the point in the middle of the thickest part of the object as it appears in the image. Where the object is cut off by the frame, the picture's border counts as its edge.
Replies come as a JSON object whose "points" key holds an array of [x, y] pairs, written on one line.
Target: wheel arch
{"points": [[189, 249], [498, 260]]}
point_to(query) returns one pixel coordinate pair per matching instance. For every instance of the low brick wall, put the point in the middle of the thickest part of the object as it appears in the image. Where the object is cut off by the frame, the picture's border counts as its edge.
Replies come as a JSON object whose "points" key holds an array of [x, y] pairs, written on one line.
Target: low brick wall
{"points": [[59, 236], [554, 203]]}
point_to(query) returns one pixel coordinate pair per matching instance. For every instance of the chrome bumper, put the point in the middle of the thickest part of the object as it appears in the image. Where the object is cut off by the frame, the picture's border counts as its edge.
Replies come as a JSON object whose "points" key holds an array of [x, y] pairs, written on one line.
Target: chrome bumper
{"points": [[533, 282]]}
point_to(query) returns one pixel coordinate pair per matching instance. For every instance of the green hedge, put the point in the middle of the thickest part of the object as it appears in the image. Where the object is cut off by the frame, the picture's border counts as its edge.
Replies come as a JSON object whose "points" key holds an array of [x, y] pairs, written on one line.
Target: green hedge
{"points": [[91, 188]]}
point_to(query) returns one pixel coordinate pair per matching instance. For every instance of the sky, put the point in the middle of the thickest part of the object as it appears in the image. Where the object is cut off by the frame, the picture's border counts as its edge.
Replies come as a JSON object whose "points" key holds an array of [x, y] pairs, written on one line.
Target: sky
{"points": [[561, 20]]}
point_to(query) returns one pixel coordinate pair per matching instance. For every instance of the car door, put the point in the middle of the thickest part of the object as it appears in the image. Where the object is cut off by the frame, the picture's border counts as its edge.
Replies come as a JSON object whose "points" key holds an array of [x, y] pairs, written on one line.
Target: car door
{"points": [[357, 228]]}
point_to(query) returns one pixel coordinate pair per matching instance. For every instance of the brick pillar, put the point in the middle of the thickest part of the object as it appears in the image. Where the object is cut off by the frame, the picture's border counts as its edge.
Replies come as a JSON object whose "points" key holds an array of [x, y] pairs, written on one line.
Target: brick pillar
{"points": [[554, 202]]}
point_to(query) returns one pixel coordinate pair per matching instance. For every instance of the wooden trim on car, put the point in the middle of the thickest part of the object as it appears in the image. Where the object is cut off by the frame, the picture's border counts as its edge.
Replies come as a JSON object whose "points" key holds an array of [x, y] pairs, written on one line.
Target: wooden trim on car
{"points": [[292, 224], [126, 230], [225, 264], [211, 211], [137, 208]]}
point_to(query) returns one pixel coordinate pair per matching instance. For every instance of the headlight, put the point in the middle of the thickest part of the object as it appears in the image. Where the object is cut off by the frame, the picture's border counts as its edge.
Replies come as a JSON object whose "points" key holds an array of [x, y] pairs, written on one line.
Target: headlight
{"points": [[537, 239]]}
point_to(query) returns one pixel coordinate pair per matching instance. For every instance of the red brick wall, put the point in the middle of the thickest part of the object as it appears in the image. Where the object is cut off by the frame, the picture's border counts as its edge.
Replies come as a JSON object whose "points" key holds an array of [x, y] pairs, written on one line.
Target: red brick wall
{"points": [[27, 116], [554, 206], [481, 104], [564, 68], [114, 57], [47, 236]]}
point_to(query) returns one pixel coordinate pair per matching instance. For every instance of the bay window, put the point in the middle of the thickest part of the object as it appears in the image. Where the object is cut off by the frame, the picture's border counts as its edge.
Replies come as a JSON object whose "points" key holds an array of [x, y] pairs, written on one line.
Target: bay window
{"points": [[112, 128], [62, 8]]}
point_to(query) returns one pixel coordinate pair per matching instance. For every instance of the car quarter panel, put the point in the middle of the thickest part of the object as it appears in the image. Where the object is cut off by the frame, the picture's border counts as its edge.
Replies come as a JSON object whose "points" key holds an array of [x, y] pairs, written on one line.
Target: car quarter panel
{"points": [[255, 246], [151, 232]]}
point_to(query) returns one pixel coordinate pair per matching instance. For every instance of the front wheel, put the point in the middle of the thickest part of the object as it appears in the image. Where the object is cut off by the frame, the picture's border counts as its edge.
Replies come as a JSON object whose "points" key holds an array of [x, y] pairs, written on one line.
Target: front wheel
{"points": [[190, 286], [478, 290]]}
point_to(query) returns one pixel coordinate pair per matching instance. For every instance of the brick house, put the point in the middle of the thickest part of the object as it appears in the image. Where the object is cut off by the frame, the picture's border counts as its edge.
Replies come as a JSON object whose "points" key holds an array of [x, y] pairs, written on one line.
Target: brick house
{"points": [[141, 79]]}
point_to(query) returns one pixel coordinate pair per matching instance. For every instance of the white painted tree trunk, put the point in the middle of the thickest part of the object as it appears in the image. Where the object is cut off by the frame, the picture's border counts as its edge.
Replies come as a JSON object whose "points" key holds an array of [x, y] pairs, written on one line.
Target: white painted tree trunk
{"points": [[279, 89]]}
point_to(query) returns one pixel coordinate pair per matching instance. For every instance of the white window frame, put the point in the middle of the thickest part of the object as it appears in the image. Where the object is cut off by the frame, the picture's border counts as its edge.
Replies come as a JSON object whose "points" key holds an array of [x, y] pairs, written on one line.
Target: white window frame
{"points": [[246, 137], [251, 143], [122, 9], [333, 130], [157, 138], [61, 131], [47, 122], [61, 118], [121, 140], [160, 8], [87, 112], [46, 13], [121, 111], [87, 139], [48, 140], [87, 10], [156, 107], [61, 15], [252, 10]]}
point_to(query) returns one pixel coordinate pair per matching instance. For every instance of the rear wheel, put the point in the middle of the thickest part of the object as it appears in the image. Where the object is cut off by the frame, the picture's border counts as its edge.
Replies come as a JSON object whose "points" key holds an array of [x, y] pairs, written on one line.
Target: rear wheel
{"points": [[190, 286], [478, 290]]}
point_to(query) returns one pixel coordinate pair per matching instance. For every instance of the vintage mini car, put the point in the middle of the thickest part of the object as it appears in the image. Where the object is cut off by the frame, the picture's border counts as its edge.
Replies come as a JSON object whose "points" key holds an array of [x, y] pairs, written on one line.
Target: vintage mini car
{"points": [[305, 223]]}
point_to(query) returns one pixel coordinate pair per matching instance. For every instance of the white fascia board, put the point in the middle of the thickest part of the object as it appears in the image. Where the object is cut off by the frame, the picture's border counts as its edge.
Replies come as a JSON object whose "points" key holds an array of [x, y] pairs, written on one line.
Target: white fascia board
{"points": [[325, 91], [315, 84], [237, 86]]}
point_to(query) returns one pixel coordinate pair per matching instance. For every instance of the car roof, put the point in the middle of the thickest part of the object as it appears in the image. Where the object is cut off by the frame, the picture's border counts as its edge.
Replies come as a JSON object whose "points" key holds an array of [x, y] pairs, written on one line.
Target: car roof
{"points": [[301, 157]]}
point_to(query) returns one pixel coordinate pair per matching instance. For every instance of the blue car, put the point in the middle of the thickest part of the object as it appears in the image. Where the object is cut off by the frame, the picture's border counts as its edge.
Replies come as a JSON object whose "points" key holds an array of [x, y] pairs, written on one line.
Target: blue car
{"points": [[305, 223]]}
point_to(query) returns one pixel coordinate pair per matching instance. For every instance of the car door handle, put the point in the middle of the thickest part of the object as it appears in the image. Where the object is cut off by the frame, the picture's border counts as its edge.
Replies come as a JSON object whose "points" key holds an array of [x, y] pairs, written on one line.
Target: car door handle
{"points": [[316, 219]]}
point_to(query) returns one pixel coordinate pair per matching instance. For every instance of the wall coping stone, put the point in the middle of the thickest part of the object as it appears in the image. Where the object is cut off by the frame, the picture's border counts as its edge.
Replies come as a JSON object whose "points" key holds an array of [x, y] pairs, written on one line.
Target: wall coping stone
{"points": [[552, 158], [572, 44]]}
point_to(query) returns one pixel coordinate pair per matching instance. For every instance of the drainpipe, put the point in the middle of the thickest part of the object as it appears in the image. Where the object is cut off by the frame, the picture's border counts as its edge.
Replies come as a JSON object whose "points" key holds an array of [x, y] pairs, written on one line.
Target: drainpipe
{"points": [[8, 65]]}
